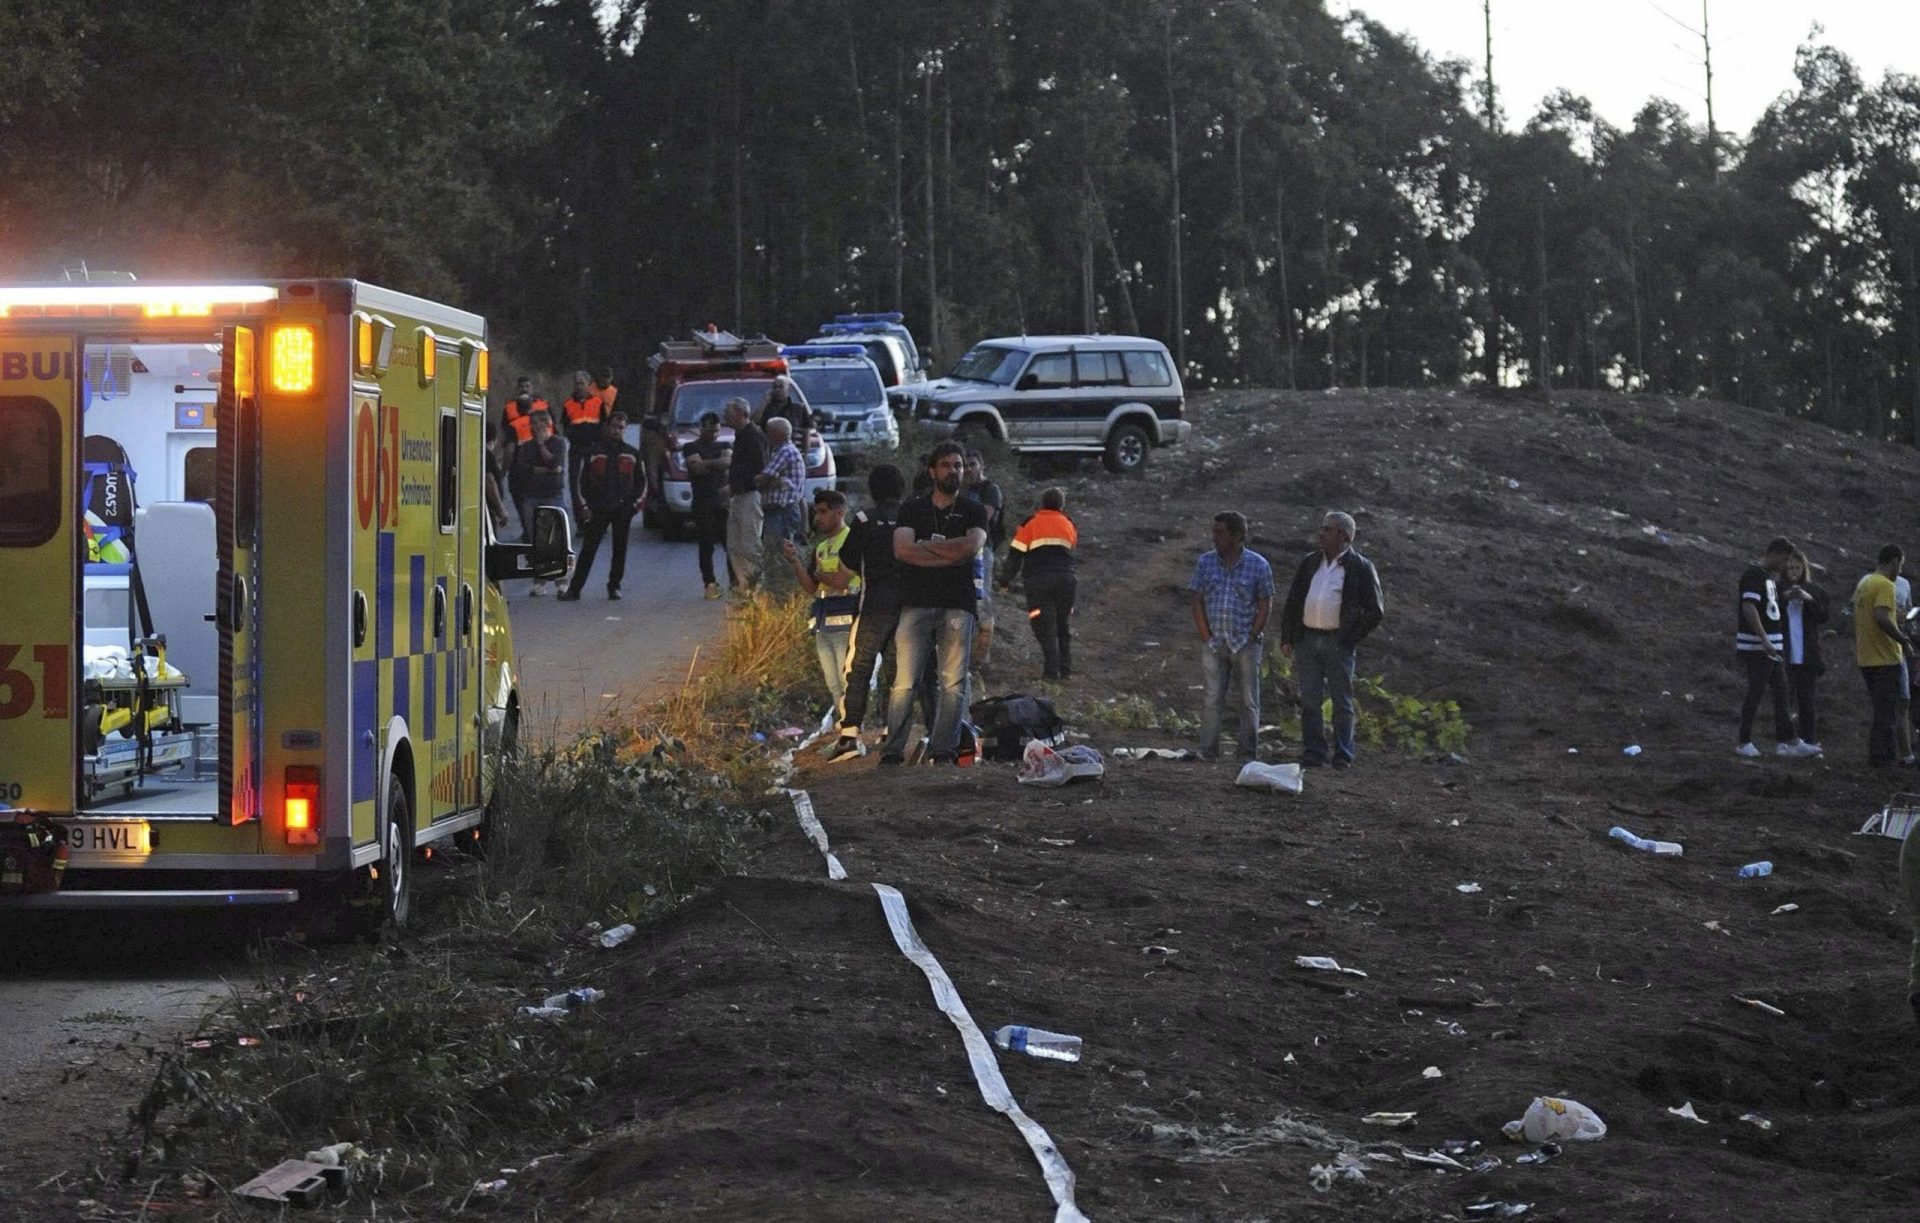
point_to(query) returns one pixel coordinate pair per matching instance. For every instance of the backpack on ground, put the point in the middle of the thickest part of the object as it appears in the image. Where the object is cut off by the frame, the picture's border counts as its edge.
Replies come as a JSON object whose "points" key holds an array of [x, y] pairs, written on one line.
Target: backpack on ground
{"points": [[1006, 724]]}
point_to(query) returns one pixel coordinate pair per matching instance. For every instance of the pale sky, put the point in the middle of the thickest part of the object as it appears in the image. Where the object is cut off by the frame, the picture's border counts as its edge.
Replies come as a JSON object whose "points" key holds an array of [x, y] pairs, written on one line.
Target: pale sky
{"points": [[1619, 53]]}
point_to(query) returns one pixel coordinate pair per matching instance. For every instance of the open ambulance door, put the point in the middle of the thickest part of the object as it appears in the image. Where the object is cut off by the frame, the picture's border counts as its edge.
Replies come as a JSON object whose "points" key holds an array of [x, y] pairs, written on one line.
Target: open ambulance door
{"points": [[39, 572], [237, 595]]}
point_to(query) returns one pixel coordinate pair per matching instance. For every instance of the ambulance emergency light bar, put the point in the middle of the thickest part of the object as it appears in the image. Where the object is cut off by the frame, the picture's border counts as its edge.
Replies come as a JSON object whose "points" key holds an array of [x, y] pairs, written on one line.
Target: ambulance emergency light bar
{"points": [[891, 316], [152, 300], [805, 351]]}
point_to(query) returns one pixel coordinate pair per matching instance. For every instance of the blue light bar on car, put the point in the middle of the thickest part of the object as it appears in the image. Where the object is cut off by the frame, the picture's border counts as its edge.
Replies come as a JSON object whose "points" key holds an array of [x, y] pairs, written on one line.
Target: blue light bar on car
{"points": [[890, 316], [822, 350]]}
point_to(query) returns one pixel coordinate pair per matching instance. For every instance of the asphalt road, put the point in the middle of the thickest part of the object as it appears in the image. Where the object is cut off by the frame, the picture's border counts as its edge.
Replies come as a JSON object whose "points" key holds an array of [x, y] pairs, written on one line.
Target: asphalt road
{"points": [[67, 981]]}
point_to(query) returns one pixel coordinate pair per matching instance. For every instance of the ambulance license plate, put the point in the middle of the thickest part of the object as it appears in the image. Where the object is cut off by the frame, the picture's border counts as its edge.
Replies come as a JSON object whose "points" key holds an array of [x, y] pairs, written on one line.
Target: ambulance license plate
{"points": [[109, 839]]}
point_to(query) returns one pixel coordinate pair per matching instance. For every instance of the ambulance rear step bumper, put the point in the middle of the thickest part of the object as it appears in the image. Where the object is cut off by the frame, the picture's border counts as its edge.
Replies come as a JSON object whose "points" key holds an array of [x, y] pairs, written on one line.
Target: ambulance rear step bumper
{"points": [[80, 899]]}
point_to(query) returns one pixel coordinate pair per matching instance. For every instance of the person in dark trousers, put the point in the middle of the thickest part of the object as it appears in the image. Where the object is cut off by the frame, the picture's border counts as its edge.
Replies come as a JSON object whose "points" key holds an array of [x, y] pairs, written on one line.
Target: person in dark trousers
{"points": [[1880, 646], [936, 541], [1806, 612], [539, 477], [707, 457], [1043, 548], [975, 486], [613, 485], [1759, 635], [1334, 602], [869, 552], [496, 477]]}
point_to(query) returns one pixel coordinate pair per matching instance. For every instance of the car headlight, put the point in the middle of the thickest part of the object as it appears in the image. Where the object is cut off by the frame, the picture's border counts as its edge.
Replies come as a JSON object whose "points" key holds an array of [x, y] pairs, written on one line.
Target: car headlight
{"points": [[877, 421]]}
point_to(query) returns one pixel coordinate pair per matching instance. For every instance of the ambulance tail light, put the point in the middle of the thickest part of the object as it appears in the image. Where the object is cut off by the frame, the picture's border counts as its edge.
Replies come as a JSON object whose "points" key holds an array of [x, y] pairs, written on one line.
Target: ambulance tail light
{"points": [[292, 359], [302, 805]]}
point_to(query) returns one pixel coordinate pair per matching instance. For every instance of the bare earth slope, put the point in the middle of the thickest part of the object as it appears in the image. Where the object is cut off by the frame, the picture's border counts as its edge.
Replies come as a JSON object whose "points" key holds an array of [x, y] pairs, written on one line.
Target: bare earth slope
{"points": [[1564, 568]]}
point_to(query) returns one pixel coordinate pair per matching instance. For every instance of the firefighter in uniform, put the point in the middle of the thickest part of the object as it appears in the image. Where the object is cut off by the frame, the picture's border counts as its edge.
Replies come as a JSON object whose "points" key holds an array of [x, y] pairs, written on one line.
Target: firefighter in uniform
{"points": [[1044, 546]]}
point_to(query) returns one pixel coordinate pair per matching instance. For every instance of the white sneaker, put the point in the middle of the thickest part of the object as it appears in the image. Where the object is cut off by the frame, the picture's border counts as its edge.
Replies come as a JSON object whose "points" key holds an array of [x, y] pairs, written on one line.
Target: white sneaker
{"points": [[1812, 749], [536, 590], [1746, 749], [1798, 749]]}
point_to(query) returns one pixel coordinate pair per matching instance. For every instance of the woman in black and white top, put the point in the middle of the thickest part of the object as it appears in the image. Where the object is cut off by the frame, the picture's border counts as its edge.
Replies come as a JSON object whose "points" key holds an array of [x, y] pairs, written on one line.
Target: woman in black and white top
{"points": [[1805, 605]]}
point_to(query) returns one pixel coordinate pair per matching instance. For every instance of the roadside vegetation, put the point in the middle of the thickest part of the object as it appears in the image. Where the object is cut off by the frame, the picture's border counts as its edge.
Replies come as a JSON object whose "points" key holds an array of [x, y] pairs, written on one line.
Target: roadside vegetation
{"points": [[412, 1051]]}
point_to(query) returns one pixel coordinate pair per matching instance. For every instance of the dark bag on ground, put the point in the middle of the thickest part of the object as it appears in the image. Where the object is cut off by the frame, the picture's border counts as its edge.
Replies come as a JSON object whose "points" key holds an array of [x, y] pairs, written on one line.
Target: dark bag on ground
{"points": [[1008, 723]]}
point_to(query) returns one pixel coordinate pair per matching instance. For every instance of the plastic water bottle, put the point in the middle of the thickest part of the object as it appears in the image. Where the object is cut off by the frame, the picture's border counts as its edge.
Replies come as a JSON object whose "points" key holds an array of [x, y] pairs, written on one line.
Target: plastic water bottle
{"points": [[1663, 848], [618, 935], [1037, 1042], [1756, 870]]}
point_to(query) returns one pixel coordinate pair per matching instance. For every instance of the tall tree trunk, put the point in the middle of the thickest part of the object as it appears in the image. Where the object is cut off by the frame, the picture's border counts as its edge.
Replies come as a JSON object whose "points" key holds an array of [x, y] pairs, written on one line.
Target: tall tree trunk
{"points": [[1913, 332], [933, 286], [859, 94], [898, 239], [1543, 372], [1173, 166], [1240, 242], [1089, 297], [1286, 295], [1334, 311], [1121, 279]]}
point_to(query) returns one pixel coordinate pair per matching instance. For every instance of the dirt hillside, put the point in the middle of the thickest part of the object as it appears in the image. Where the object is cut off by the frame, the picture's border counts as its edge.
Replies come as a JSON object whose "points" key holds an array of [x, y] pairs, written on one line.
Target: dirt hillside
{"points": [[1564, 568]]}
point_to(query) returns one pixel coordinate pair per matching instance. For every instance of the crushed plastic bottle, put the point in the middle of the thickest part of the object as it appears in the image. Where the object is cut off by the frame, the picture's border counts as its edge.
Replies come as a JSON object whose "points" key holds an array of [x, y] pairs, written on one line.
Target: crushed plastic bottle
{"points": [[1663, 848], [618, 935], [1756, 870], [1037, 1042], [556, 1005]]}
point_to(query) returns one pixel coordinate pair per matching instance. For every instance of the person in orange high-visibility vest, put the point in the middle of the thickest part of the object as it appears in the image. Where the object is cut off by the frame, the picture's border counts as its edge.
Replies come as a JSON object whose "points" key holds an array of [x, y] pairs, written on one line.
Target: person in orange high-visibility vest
{"points": [[518, 413], [1044, 546], [583, 412], [604, 388]]}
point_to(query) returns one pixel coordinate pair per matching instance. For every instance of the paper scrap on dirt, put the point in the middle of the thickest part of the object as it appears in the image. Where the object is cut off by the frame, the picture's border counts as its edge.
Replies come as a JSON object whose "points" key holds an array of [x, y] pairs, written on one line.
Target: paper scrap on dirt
{"points": [[1323, 963]]}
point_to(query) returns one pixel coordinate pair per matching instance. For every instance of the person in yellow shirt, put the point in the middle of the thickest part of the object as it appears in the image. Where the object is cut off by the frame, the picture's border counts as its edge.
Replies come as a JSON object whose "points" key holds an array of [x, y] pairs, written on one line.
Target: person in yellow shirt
{"points": [[1879, 642]]}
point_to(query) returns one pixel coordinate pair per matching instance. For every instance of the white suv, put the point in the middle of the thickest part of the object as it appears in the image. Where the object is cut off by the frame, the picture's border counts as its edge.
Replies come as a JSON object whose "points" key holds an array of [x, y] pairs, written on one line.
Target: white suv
{"points": [[1112, 395]]}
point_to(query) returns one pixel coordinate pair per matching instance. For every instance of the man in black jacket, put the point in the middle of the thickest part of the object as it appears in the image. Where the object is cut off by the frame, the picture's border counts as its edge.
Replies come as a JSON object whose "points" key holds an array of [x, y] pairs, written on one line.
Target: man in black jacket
{"points": [[1334, 602], [612, 486]]}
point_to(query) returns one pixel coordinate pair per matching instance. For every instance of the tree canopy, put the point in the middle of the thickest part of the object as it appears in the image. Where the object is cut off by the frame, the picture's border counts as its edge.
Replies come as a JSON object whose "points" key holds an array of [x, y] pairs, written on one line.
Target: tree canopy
{"points": [[1285, 197]]}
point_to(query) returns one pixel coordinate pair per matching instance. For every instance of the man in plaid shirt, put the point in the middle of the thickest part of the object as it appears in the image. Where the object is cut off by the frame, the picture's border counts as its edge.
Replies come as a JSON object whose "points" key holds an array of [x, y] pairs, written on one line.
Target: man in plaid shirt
{"points": [[1232, 599], [780, 487]]}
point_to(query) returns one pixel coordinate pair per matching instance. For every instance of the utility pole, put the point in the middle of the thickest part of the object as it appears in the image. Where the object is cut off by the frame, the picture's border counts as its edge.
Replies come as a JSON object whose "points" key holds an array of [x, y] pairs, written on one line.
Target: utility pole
{"points": [[1173, 166]]}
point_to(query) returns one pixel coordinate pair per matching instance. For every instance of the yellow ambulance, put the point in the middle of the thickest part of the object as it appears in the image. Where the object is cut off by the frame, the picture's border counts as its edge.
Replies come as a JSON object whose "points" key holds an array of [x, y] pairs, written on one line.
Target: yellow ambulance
{"points": [[253, 650]]}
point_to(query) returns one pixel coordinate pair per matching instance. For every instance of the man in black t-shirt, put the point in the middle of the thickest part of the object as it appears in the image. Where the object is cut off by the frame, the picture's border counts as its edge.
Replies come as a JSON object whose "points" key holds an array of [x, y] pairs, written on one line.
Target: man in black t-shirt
{"points": [[936, 540], [744, 516], [707, 459], [869, 552]]}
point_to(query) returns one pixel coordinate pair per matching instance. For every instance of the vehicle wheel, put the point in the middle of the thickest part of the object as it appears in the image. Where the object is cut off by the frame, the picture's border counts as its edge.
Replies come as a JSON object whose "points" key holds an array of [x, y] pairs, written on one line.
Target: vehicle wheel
{"points": [[479, 839], [972, 433], [389, 897], [1127, 448]]}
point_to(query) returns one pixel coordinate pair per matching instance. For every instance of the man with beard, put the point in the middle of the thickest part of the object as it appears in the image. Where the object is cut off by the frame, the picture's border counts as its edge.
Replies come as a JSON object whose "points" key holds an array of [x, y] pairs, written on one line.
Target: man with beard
{"points": [[936, 540]]}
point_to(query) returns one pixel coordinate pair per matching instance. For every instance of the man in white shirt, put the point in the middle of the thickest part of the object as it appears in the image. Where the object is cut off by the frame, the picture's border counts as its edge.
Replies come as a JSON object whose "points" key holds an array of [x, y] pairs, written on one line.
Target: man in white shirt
{"points": [[1334, 602]]}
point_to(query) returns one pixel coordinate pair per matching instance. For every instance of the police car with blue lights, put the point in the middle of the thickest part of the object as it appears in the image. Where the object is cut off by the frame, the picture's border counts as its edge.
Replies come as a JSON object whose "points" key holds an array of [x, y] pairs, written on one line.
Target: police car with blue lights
{"points": [[842, 386]]}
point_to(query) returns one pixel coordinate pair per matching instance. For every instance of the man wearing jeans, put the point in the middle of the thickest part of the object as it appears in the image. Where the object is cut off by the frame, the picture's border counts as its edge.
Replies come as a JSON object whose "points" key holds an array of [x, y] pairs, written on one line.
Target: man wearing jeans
{"points": [[1232, 600], [1333, 603], [936, 539], [1878, 645]]}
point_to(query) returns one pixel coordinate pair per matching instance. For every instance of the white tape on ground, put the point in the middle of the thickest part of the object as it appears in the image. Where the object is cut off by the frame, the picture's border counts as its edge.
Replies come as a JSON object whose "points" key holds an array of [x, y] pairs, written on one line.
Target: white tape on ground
{"points": [[986, 1068], [810, 824]]}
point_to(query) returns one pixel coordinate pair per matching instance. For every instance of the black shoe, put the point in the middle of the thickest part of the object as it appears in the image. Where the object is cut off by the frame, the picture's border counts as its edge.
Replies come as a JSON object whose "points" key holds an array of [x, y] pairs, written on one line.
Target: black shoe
{"points": [[613, 592], [942, 758], [1312, 762], [567, 596], [848, 748], [1341, 762], [892, 758]]}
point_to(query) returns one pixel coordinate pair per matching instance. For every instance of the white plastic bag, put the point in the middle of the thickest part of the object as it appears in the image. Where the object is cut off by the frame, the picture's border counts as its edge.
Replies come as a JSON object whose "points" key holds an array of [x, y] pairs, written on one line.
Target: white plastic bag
{"points": [[1283, 777], [1553, 1120], [1046, 766]]}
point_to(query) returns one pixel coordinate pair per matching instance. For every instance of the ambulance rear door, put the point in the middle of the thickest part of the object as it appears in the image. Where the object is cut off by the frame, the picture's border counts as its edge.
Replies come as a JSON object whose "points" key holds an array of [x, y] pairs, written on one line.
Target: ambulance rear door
{"points": [[39, 572], [237, 593]]}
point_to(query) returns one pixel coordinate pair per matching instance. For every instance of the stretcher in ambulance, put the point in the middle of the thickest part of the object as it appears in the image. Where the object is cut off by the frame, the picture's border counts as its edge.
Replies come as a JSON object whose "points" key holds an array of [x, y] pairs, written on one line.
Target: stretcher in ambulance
{"points": [[252, 646]]}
